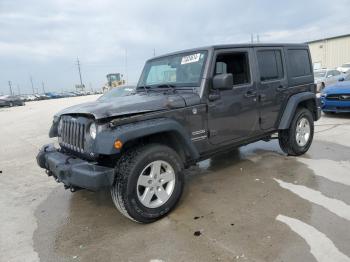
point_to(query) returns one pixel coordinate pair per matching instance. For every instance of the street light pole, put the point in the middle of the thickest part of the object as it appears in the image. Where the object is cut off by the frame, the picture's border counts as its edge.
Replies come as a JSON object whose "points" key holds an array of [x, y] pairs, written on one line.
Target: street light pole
{"points": [[31, 81], [10, 85], [43, 87]]}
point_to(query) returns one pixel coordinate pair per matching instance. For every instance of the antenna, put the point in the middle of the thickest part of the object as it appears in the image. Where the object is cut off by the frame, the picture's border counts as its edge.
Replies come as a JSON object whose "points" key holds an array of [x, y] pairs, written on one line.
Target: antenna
{"points": [[126, 65]]}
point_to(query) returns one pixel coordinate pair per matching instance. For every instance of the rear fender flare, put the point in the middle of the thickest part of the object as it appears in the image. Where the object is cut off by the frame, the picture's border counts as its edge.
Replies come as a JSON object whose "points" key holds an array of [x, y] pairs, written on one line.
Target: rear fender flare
{"points": [[292, 105]]}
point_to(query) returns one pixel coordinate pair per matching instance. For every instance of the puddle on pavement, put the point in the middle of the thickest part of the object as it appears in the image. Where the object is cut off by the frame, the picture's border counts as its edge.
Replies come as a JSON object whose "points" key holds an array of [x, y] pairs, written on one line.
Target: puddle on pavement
{"points": [[232, 197]]}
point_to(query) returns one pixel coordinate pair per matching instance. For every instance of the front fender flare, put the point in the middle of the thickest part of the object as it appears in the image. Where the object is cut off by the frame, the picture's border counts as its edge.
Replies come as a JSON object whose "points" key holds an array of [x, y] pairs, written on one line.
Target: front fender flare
{"points": [[104, 143]]}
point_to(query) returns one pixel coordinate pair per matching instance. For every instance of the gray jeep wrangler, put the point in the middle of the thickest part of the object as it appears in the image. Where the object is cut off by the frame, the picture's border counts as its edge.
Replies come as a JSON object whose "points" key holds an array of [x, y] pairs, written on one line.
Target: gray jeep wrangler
{"points": [[186, 107]]}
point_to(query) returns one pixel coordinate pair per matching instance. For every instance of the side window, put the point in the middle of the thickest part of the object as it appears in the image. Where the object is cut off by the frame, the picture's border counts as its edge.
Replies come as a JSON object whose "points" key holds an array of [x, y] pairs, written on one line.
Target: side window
{"points": [[235, 63], [299, 62], [270, 65]]}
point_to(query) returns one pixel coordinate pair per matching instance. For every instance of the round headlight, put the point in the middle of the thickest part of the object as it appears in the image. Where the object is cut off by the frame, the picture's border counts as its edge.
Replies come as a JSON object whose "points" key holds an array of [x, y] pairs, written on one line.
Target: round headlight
{"points": [[93, 130], [60, 126]]}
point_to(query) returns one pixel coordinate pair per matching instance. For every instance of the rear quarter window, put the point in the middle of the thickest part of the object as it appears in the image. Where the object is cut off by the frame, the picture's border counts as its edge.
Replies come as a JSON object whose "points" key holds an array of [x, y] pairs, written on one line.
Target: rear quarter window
{"points": [[299, 62]]}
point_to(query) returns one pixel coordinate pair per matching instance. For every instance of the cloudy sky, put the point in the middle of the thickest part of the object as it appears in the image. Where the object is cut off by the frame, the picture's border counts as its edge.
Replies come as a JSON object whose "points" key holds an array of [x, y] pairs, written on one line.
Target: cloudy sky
{"points": [[43, 38]]}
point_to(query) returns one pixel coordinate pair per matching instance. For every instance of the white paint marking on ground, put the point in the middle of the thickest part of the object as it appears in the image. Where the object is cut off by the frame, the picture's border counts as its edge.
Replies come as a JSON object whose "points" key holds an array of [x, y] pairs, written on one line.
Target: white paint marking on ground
{"points": [[336, 206], [332, 170], [321, 247]]}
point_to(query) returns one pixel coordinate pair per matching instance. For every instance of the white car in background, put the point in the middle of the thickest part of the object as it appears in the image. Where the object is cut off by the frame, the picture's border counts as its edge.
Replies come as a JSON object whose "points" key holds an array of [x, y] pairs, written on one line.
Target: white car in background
{"points": [[325, 77], [344, 68]]}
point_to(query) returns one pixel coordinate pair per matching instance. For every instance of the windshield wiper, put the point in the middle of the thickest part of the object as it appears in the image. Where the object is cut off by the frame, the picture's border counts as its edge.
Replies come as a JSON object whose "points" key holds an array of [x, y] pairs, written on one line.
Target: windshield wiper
{"points": [[166, 86], [144, 87]]}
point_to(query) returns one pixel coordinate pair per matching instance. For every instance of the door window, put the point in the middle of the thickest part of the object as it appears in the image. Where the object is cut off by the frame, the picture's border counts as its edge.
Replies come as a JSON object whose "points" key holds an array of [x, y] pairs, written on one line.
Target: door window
{"points": [[270, 65], [236, 64]]}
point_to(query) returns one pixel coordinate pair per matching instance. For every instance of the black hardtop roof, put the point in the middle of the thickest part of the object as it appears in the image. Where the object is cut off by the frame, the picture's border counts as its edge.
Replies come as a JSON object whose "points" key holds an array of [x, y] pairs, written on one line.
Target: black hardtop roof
{"points": [[229, 46]]}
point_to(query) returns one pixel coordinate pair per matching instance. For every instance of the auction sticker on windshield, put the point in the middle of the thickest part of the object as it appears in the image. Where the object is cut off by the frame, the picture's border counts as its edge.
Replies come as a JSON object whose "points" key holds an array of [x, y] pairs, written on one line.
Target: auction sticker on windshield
{"points": [[190, 59]]}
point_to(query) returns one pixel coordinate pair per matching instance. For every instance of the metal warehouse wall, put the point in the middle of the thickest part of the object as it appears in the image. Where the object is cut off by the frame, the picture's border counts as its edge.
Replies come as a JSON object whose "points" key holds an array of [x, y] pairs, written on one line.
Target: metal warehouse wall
{"points": [[332, 52]]}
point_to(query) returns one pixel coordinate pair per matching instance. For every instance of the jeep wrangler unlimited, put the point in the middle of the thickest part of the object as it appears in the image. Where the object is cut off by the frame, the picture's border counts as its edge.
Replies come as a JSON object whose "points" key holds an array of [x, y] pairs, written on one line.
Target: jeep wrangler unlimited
{"points": [[186, 107]]}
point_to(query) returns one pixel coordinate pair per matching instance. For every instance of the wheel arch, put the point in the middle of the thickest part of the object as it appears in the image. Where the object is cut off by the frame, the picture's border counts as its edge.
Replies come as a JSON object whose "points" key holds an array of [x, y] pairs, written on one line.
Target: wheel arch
{"points": [[305, 99]]}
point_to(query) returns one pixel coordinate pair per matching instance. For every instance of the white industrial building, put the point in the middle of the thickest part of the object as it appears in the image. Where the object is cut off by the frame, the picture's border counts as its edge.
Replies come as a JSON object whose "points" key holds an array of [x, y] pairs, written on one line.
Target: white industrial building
{"points": [[330, 52]]}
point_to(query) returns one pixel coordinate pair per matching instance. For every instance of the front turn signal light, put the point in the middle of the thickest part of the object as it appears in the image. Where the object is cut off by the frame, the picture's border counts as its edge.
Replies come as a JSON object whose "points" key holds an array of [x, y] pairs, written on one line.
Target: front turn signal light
{"points": [[118, 144]]}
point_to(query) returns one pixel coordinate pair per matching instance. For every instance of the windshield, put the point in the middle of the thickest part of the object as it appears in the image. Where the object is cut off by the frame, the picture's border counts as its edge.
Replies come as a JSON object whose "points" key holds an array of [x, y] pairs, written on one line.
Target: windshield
{"points": [[320, 74], [176, 70], [117, 92]]}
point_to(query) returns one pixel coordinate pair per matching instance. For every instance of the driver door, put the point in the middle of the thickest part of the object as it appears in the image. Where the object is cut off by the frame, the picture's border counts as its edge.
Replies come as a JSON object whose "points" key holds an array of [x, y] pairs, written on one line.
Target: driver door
{"points": [[233, 113]]}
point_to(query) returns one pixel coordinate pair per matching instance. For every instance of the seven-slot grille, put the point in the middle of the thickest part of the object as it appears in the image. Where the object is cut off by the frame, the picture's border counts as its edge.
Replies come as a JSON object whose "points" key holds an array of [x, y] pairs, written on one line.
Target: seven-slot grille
{"points": [[338, 97], [72, 134]]}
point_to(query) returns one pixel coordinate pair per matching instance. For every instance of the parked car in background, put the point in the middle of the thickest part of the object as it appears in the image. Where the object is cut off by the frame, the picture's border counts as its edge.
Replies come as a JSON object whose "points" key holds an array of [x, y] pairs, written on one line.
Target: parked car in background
{"points": [[325, 77], [53, 95], [30, 98], [41, 97], [11, 101], [336, 98], [344, 68]]}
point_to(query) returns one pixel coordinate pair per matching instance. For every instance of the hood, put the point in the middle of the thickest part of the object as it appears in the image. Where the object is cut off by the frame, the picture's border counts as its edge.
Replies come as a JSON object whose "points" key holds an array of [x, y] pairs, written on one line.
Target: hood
{"points": [[133, 104], [338, 88]]}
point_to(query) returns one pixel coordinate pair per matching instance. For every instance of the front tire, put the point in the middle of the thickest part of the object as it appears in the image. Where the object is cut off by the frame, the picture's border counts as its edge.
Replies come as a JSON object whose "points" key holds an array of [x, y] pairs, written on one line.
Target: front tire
{"points": [[149, 182], [297, 140]]}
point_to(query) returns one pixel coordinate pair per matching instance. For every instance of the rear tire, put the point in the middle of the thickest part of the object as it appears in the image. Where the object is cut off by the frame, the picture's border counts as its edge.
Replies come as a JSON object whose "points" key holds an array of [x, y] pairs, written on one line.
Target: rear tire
{"points": [[297, 140], [149, 182]]}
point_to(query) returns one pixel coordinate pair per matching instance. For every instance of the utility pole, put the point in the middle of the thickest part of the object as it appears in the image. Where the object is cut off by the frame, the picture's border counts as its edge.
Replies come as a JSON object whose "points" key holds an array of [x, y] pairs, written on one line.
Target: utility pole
{"points": [[43, 84], [10, 85], [31, 81], [78, 64], [154, 52], [126, 65], [251, 38]]}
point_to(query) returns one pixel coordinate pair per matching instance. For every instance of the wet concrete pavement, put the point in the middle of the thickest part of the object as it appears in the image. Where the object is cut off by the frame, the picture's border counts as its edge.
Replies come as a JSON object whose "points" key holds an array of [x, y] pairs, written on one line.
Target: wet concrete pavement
{"points": [[251, 204]]}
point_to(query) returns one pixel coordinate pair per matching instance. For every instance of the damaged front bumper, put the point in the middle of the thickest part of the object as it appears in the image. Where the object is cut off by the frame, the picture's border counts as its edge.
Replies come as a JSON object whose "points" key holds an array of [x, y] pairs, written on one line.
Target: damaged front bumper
{"points": [[73, 172]]}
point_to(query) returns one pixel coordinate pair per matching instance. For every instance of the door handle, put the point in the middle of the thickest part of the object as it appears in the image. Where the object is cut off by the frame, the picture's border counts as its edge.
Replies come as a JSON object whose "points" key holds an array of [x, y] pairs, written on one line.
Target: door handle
{"points": [[250, 93]]}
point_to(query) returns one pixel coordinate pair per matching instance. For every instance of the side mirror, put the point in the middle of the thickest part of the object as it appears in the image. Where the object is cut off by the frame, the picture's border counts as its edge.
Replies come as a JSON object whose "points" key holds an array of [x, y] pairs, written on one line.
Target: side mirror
{"points": [[341, 79], [223, 81]]}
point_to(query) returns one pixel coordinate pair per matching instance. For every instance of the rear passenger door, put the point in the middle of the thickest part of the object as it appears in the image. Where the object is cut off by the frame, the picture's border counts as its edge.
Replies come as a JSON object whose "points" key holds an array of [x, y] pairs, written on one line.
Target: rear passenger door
{"points": [[272, 84]]}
